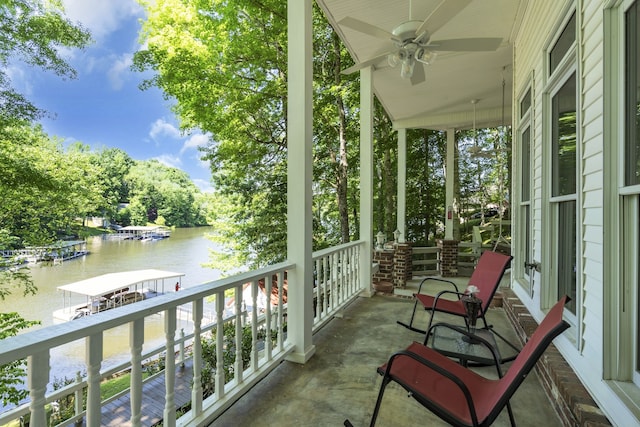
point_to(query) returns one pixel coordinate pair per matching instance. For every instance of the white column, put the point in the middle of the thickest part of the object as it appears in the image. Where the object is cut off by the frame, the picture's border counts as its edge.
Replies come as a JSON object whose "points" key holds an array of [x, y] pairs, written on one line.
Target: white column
{"points": [[299, 179], [136, 339], [366, 178], [402, 183], [37, 379], [449, 183]]}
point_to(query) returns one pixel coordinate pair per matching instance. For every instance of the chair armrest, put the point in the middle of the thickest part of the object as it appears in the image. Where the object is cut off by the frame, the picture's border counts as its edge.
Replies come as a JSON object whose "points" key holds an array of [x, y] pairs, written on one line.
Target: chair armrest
{"points": [[438, 280], [445, 292], [439, 370]]}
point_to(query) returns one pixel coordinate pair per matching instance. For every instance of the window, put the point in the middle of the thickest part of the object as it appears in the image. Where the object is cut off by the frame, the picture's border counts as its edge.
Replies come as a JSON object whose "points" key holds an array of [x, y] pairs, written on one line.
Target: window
{"points": [[563, 138], [562, 127], [630, 200], [632, 95], [563, 44], [525, 104], [523, 243]]}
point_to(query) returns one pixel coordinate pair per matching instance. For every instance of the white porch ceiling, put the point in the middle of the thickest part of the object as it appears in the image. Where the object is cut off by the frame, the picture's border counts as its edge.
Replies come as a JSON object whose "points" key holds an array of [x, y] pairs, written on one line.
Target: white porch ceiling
{"points": [[443, 100]]}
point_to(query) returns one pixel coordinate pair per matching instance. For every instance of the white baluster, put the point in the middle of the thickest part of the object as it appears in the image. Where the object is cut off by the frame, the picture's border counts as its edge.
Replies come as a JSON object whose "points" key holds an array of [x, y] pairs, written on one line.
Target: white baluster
{"points": [[170, 368], [37, 379], [196, 392], [136, 339], [318, 291], [220, 377], [78, 395], [254, 326], [335, 290], [281, 311], [268, 287], [94, 346], [239, 365]]}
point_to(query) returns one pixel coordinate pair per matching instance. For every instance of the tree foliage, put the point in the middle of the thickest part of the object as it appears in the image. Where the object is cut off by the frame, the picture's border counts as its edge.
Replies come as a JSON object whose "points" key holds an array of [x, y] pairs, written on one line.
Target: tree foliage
{"points": [[225, 64], [161, 194], [33, 31]]}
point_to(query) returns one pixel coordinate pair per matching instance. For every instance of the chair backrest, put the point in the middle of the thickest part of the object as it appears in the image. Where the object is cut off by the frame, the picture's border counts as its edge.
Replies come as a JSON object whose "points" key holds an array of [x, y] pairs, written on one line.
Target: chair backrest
{"points": [[551, 326], [487, 275]]}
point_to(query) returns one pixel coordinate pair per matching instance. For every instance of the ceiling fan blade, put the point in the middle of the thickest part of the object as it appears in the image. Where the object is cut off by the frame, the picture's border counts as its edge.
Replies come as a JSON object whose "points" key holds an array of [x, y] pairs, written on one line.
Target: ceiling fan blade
{"points": [[418, 74], [442, 14], [363, 27], [364, 64], [481, 44]]}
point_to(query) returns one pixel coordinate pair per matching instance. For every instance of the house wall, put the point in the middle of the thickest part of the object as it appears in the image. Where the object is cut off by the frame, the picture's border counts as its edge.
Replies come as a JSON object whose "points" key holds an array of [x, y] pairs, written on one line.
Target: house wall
{"points": [[582, 346]]}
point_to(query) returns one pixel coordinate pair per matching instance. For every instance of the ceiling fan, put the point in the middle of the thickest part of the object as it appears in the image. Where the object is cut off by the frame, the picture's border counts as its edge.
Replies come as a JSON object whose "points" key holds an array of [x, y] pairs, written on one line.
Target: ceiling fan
{"points": [[412, 40]]}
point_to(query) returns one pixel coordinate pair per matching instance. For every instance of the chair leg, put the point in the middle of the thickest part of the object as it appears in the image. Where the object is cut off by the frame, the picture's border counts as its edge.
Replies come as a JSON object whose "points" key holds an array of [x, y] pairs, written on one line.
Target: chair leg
{"points": [[511, 418], [385, 381], [410, 324]]}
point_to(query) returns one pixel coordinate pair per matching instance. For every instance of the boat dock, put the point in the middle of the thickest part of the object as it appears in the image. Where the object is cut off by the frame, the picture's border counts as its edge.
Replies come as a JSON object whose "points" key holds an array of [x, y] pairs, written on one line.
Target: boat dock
{"points": [[141, 232], [58, 252]]}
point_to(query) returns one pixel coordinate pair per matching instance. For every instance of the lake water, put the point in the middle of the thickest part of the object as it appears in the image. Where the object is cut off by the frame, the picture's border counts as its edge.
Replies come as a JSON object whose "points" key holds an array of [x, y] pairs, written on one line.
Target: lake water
{"points": [[185, 252]]}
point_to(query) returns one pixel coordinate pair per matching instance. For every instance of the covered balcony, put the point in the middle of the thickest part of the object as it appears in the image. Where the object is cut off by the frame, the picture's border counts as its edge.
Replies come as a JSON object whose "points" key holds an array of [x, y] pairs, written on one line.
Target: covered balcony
{"points": [[312, 358]]}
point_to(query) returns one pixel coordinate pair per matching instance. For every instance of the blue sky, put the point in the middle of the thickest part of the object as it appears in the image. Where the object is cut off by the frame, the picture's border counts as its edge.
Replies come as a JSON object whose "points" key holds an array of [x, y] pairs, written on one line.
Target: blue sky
{"points": [[103, 106]]}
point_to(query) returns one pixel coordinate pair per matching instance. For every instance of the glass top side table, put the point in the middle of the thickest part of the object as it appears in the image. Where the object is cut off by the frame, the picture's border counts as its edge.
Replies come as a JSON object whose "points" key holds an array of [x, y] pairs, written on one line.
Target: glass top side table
{"points": [[479, 347]]}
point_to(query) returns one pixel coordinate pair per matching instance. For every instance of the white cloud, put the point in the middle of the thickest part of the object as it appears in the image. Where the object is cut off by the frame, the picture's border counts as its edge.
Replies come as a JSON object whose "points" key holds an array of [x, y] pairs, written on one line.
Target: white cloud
{"points": [[194, 141], [204, 186], [101, 17], [119, 69], [169, 160], [161, 128], [19, 79]]}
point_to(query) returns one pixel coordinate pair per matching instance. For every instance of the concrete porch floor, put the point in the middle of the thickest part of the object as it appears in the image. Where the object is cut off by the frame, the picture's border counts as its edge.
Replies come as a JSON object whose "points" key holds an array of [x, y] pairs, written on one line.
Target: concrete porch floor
{"points": [[340, 380]]}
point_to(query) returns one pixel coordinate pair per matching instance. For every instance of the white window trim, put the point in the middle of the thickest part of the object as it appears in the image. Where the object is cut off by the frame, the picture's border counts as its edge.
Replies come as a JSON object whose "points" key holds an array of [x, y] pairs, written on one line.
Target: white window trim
{"points": [[525, 121], [617, 362], [568, 65]]}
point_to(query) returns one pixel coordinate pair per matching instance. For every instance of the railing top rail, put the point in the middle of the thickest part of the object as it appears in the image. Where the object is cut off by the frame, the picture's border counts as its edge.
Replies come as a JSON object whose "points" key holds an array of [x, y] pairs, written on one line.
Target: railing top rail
{"points": [[21, 346], [332, 249]]}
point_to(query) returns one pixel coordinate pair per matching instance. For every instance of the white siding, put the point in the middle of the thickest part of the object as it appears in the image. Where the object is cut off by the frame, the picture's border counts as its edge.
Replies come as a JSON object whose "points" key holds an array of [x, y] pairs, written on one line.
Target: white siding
{"points": [[590, 56], [541, 21]]}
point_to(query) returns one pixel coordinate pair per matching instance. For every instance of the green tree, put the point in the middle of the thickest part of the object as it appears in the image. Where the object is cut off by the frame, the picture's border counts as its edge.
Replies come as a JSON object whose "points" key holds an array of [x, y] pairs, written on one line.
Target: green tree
{"points": [[33, 32], [225, 63], [113, 165], [158, 191]]}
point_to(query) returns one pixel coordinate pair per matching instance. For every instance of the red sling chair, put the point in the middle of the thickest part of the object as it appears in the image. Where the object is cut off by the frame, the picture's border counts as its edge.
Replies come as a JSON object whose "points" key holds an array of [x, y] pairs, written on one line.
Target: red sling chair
{"points": [[486, 277], [457, 394]]}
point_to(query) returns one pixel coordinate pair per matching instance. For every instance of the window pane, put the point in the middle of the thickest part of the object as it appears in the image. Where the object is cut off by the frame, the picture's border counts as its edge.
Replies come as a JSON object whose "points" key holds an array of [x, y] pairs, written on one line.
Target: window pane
{"points": [[567, 252], [564, 139], [525, 104], [563, 44], [632, 137], [526, 165]]}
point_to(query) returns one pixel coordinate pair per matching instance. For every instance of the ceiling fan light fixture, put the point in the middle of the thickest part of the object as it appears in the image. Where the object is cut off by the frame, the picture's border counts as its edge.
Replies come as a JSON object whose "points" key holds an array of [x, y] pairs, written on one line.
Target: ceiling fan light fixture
{"points": [[407, 68], [393, 60], [426, 56]]}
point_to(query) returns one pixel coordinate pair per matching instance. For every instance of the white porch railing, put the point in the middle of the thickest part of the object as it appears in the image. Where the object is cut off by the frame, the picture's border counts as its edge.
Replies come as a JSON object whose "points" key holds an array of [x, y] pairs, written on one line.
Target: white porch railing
{"points": [[337, 283]]}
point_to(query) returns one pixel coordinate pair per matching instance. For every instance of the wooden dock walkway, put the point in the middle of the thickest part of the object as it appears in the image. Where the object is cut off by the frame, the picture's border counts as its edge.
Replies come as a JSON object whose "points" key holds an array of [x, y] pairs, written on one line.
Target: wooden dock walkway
{"points": [[118, 412]]}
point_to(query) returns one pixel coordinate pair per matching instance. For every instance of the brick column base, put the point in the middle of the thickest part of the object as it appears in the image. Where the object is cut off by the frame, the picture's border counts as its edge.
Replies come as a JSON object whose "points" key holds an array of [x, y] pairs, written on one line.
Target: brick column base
{"points": [[402, 264], [448, 257]]}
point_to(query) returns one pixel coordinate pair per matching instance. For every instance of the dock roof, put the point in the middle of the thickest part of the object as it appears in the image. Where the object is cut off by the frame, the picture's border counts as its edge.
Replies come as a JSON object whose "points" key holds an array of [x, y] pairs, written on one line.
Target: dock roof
{"points": [[111, 282]]}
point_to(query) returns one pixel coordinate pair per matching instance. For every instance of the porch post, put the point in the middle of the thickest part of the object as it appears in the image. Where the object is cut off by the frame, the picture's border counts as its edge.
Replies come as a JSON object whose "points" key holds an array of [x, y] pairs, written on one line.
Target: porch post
{"points": [[366, 179], [402, 183], [299, 179], [449, 211]]}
